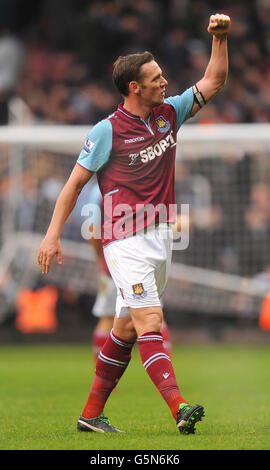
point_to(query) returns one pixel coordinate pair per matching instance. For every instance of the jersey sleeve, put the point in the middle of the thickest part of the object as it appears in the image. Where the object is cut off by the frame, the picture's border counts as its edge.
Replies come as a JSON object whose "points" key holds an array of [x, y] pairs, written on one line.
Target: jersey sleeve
{"points": [[182, 104], [97, 146]]}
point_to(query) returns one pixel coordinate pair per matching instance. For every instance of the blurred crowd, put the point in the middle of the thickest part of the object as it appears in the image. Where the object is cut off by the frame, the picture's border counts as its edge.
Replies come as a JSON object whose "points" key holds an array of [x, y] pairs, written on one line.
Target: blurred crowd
{"points": [[56, 61], [229, 213], [56, 56], [55, 68], [228, 222]]}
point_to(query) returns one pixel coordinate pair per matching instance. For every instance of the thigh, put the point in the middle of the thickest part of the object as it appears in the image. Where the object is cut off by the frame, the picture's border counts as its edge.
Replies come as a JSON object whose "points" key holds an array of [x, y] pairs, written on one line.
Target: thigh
{"points": [[133, 273], [147, 319], [139, 267]]}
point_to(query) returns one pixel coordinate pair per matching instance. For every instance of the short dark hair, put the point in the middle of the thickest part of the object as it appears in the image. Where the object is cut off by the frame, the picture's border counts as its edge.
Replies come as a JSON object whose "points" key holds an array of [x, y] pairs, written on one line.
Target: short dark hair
{"points": [[128, 68]]}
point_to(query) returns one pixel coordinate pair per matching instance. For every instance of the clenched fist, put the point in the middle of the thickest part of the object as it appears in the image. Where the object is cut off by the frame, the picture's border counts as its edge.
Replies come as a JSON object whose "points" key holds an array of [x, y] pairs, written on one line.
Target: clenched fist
{"points": [[219, 25]]}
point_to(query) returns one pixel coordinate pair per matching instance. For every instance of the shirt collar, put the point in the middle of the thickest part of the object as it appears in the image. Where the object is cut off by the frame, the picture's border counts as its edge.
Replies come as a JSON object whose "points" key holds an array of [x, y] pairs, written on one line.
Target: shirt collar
{"points": [[130, 115]]}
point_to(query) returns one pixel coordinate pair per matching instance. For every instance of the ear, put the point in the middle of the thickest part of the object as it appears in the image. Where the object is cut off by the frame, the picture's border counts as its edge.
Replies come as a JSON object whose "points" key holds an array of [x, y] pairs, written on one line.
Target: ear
{"points": [[134, 88]]}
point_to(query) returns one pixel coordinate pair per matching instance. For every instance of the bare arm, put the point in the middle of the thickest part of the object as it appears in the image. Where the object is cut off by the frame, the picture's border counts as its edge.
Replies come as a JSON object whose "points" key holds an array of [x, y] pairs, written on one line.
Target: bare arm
{"points": [[65, 203], [216, 72]]}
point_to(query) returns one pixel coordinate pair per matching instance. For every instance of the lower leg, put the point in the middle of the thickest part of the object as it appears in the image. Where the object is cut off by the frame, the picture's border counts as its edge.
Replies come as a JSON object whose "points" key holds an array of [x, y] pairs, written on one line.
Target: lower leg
{"points": [[110, 366], [166, 339], [157, 363], [101, 334]]}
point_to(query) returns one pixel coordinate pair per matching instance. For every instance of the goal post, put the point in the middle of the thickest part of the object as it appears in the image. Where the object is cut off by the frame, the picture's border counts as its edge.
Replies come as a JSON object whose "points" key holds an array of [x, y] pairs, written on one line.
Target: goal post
{"points": [[222, 174]]}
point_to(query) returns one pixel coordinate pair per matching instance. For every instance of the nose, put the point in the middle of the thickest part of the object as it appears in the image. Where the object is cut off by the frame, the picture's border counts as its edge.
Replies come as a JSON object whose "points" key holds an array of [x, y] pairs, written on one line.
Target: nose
{"points": [[164, 82]]}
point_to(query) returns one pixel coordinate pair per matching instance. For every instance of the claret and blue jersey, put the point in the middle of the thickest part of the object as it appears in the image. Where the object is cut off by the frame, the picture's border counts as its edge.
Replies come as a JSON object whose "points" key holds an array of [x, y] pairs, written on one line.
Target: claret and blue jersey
{"points": [[134, 161]]}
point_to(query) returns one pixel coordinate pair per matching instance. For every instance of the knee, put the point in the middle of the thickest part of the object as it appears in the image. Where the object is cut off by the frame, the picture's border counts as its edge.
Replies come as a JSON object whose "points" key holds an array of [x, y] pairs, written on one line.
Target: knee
{"points": [[153, 321], [147, 319], [130, 331], [124, 329]]}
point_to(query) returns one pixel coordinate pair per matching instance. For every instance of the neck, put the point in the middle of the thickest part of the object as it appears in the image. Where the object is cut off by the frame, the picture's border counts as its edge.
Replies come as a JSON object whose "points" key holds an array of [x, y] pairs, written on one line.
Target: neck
{"points": [[138, 109]]}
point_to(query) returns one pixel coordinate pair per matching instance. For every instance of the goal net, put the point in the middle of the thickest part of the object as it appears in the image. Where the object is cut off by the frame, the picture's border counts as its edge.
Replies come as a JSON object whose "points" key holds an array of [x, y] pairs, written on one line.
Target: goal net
{"points": [[222, 182]]}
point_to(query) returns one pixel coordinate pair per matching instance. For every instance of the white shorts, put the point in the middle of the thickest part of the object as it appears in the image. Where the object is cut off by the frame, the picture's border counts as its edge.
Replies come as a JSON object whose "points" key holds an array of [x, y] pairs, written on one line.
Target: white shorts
{"points": [[139, 266], [105, 302]]}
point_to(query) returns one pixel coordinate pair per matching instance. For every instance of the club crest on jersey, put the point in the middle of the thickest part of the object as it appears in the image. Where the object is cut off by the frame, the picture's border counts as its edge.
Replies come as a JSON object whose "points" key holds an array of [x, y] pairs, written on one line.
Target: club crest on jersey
{"points": [[138, 291], [88, 145], [162, 124]]}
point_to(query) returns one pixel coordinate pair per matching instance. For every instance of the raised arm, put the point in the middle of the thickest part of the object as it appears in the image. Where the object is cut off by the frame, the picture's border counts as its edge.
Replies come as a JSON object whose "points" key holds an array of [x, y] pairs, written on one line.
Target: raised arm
{"points": [[65, 203], [216, 72]]}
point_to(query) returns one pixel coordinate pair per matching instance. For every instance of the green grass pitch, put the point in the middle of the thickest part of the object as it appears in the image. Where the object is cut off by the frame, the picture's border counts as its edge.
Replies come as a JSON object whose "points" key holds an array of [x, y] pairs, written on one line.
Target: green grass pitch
{"points": [[44, 388]]}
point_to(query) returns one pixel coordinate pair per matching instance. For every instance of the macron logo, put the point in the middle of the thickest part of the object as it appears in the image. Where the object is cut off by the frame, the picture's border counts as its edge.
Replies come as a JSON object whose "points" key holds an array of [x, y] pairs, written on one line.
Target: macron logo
{"points": [[166, 375], [135, 139]]}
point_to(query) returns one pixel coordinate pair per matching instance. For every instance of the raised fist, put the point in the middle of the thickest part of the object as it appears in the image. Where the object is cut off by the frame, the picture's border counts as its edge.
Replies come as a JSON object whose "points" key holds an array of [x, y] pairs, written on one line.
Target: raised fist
{"points": [[219, 25]]}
